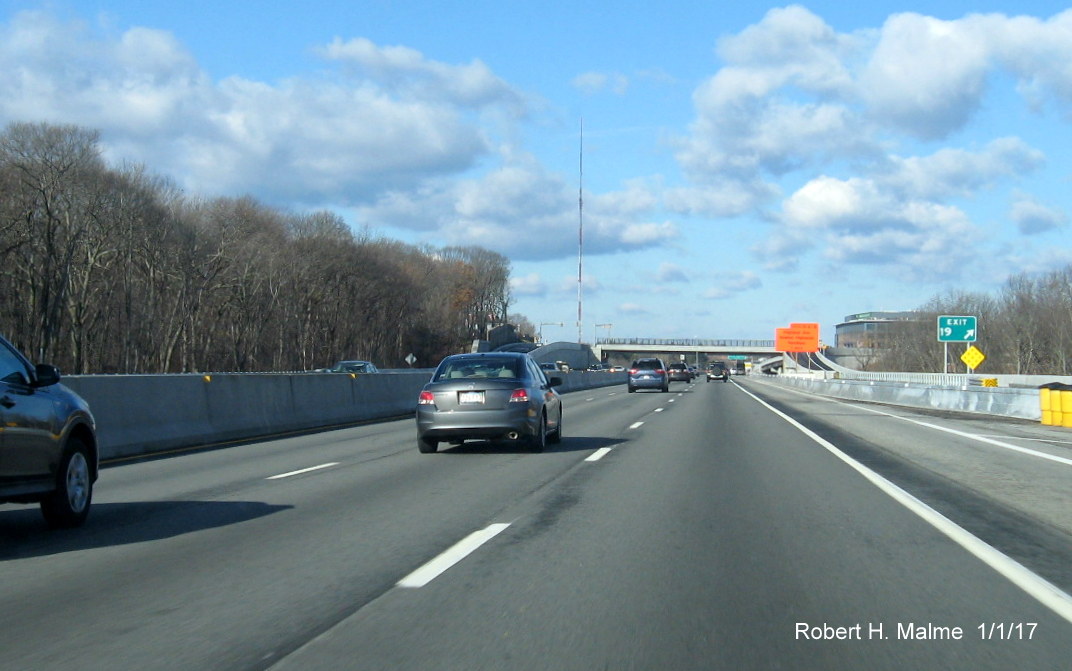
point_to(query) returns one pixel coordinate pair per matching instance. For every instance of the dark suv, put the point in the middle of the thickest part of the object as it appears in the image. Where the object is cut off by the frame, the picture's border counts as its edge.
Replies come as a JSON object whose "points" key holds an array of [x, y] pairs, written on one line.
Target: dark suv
{"points": [[48, 448], [716, 370], [679, 372], [648, 374]]}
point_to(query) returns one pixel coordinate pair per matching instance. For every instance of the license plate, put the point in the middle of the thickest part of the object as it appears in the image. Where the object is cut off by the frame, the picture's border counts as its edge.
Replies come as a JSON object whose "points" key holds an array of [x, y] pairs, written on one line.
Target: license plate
{"points": [[470, 397]]}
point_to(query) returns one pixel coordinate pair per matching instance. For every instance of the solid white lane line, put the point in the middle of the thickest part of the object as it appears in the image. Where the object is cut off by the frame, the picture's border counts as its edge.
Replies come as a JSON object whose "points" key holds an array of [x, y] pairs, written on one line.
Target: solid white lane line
{"points": [[304, 470], [452, 556], [1042, 590], [599, 454], [955, 432], [636, 425]]}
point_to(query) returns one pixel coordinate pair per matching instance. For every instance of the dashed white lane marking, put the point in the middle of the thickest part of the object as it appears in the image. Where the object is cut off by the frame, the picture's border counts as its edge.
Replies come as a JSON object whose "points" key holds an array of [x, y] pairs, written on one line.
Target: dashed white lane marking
{"points": [[658, 409], [452, 556], [636, 425], [304, 470], [599, 454]]}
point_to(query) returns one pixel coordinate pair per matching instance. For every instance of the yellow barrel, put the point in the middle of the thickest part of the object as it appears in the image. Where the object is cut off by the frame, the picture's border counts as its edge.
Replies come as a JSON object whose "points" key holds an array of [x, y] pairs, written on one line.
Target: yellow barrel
{"points": [[1046, 406], [1066, 410]]}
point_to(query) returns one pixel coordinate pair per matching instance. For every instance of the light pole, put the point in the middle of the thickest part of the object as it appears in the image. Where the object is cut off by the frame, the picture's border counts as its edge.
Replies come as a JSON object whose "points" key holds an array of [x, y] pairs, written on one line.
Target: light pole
{"points": [[542, 324], [602, 326]]}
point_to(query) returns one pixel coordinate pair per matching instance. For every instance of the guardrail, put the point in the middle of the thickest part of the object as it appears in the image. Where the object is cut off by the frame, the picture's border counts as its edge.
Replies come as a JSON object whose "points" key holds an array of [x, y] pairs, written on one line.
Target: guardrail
{"points": [[139, 415]]}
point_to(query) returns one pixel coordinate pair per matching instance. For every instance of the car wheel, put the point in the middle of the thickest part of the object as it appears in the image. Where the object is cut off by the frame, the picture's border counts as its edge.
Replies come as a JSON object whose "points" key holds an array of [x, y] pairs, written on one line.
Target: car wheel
{"points": [[632, 390], [666, 388], [427, 445], [556, 435], [68, 505], [538, 442]]}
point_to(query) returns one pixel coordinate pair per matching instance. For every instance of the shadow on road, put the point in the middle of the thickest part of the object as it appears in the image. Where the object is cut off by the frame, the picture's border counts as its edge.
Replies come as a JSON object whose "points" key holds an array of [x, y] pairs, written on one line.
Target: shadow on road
{"points": [[23, 532]]}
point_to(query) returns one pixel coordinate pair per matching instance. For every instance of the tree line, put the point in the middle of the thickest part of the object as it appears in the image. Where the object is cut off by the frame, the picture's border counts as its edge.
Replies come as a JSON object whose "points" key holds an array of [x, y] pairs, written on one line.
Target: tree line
{"points": [[114, 270], [1024, 329]]}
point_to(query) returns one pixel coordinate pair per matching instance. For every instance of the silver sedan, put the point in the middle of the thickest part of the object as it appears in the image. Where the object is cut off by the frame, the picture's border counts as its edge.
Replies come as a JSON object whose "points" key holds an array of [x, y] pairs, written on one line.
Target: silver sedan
{"points": [[489, 396]]}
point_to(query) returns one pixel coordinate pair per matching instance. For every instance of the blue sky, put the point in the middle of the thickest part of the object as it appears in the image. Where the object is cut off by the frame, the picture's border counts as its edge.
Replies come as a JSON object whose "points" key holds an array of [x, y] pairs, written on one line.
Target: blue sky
{"points": [[745, 166]]}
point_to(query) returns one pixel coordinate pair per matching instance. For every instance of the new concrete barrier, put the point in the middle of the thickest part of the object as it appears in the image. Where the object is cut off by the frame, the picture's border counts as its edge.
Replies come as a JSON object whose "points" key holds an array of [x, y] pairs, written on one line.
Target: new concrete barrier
{"points": [[139, 415], [1003, 401]]}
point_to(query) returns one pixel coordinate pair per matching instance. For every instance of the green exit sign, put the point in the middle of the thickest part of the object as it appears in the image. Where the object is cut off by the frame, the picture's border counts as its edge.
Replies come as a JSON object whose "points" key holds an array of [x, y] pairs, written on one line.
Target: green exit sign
{"points": [[738, 357], [957, 328]]}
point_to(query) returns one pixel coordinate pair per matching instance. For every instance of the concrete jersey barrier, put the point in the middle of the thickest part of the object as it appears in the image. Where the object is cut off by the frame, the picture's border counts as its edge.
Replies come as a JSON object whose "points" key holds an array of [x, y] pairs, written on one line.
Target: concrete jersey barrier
{"points": [[1002, 401], [140, 415]]}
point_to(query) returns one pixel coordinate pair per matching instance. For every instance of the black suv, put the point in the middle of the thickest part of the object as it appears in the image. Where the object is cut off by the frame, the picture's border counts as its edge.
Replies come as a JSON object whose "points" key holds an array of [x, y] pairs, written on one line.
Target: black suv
{"points": [[679, 372], [716, 370], [48, 453]]}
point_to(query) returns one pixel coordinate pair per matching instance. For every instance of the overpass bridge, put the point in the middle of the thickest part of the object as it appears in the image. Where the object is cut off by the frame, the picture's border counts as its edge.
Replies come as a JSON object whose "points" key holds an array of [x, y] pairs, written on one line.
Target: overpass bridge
{"points": [[695, 346]]}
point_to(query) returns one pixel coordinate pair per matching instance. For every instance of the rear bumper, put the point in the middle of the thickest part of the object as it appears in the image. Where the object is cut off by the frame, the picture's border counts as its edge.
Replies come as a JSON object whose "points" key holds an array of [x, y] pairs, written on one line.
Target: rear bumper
{"points": [[487, 424]]}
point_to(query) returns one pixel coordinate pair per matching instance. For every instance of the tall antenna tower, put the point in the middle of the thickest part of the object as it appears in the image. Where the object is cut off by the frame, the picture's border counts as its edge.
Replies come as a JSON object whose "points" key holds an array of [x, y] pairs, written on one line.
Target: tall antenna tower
{"points": [[580, 240]]}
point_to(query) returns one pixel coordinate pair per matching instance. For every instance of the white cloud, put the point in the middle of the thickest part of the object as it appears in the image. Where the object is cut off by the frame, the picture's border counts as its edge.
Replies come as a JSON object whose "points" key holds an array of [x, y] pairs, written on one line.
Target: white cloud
{"points": [[1032, 217], [591, 83], [521, 210], [394, 122], [955, 172], [633, 309], [734, 284], [529, 285], [926, 76], [671, 272], [407, 72], [859, 222]]}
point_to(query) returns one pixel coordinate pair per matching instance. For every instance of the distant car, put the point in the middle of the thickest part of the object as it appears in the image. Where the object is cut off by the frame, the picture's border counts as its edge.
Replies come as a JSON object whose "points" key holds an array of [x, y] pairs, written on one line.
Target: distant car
{"points": [[549, 367], [48, 453], [489, 396], [648, 373], [679, 372], [597, 368], [716, 370], [353, 367], [617, 369]]}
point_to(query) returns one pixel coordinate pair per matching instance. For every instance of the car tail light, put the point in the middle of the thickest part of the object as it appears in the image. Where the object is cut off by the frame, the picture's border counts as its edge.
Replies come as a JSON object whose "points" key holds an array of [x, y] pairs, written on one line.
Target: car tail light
{"points": [[519, 396], [633, 371], [426, 398], [660, 371]]}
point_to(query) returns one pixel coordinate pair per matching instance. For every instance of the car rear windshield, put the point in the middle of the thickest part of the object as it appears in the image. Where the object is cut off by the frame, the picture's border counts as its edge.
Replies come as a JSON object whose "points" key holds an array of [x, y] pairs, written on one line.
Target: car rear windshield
{"points": [[478, 369], [647, 364]]}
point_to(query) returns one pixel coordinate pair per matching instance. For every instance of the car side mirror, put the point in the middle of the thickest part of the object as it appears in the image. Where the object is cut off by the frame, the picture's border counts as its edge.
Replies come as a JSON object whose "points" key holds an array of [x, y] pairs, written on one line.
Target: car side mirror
{"points": [[554, 381], [45, 375]]}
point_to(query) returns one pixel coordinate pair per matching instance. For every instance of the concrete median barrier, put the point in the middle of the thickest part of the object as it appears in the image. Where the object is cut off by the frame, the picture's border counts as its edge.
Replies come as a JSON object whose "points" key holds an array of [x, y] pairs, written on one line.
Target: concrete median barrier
{"points": [[139, 415]]}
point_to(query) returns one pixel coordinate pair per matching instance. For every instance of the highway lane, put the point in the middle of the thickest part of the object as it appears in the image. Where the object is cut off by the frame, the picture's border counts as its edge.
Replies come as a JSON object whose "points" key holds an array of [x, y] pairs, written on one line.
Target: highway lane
{"points": [[705, 533]]}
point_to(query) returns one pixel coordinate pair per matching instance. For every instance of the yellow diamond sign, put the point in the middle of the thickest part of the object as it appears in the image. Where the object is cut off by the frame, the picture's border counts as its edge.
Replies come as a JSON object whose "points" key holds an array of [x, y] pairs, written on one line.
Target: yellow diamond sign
{"points": [[973, 357]]}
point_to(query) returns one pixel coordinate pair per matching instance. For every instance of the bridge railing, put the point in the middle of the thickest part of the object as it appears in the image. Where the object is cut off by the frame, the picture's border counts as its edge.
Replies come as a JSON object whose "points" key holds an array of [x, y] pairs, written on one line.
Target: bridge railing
{"points": [[684, 342]]}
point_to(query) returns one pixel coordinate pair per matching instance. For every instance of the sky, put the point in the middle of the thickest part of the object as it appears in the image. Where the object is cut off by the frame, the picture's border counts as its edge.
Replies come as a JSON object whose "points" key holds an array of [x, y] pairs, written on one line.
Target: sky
{"points": [[719, 169]]}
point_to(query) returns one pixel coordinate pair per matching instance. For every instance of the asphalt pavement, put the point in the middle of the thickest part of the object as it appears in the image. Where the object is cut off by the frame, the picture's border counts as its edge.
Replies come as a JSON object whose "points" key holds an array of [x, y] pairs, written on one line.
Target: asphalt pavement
{"points": [[733, 525]]}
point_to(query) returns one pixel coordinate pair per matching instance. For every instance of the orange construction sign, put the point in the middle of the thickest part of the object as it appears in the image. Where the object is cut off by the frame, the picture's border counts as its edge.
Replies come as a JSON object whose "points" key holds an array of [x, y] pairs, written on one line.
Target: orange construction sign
{"points": [[797, 338]]}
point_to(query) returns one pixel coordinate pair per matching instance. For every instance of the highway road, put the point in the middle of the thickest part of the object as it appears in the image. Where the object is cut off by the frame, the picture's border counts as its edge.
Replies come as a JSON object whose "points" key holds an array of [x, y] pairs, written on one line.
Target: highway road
{"points": [[733, 525]]}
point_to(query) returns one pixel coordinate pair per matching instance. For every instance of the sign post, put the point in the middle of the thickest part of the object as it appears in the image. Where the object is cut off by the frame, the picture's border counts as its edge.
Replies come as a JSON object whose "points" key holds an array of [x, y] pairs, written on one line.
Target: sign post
{"points": [[956, 328]]}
